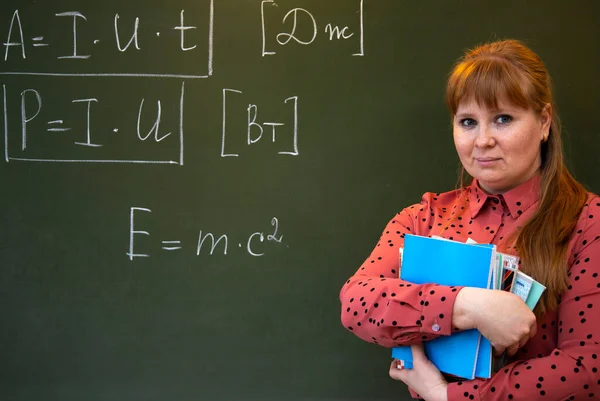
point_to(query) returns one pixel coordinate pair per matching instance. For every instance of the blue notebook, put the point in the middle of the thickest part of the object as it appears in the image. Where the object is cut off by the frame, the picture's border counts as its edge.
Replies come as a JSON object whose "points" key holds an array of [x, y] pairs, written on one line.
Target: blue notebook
{"points": [[430, 260]]}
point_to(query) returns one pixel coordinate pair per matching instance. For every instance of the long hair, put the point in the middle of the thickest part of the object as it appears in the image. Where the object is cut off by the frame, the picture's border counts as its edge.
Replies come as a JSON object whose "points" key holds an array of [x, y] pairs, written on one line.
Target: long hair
{"points": [[510, 71]]}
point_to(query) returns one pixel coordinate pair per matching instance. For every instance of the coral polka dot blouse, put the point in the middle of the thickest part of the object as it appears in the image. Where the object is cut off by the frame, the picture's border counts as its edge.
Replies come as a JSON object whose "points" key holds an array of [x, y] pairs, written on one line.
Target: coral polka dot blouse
{"points": [[560, 363]]}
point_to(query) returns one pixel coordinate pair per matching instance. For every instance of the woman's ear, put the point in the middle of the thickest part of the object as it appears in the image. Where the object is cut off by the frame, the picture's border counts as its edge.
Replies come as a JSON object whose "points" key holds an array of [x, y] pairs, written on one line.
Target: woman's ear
{"points": [[546, 120]]}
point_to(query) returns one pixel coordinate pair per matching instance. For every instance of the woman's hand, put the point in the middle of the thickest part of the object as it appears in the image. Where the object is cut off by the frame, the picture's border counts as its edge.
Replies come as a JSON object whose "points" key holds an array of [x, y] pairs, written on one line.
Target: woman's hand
{"points": [[500, 316], [424, 378]]}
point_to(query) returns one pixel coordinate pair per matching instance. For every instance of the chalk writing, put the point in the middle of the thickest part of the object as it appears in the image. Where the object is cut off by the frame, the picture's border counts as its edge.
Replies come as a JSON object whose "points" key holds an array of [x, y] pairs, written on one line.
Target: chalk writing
{"points": [[206, 243], [185, 39], [8, 44], [134, 36], [254, 130], [33, 122], [301, 28], [75, 15], [79, 127]]}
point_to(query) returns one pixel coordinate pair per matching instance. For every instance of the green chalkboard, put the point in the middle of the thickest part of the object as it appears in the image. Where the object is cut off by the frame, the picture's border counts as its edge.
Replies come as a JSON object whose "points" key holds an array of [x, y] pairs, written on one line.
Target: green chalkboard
{"points": [[182, 197]]}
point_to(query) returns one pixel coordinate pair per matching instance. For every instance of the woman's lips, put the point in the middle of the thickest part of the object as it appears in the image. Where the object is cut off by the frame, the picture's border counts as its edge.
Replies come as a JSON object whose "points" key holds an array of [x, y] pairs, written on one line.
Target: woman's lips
{"points": [[487, 161]]}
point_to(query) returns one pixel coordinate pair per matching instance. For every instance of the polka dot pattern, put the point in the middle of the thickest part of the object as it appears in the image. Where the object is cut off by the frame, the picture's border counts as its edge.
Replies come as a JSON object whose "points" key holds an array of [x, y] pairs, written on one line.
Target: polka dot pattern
{"points": [[561, 362], [385, 310]]}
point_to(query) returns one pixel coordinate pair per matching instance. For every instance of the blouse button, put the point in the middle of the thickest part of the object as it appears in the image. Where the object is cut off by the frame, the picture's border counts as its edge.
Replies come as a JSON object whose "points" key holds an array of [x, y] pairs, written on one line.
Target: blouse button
{"points": [[435, 327]]}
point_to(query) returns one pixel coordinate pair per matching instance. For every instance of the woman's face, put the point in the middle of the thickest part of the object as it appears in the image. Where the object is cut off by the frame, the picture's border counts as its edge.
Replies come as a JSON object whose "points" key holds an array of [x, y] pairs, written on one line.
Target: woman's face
{"points": [[501, 148]]}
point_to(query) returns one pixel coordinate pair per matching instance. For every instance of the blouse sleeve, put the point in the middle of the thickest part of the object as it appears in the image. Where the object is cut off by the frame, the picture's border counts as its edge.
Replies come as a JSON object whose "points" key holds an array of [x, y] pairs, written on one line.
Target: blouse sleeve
{"points": [[379, 307], [570, 372]]}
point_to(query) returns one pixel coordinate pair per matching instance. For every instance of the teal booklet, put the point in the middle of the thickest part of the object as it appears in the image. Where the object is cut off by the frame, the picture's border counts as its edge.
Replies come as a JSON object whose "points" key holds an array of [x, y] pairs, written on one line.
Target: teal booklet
{"points": [[444, 262]]}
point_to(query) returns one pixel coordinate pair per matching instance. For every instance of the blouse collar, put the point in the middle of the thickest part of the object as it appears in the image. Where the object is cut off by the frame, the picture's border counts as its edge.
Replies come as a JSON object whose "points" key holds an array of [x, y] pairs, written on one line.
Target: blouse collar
{"points": [[517, 200]]}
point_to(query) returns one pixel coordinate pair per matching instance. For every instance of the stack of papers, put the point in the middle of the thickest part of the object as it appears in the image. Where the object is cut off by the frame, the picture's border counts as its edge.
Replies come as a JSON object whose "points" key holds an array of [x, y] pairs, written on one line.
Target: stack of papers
{"points": [[436, 260]]}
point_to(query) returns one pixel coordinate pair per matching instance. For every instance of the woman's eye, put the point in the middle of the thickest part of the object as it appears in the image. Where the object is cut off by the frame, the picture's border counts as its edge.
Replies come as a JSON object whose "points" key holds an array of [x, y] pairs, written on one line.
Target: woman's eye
{"points": [[503, 119], [467, 122]]}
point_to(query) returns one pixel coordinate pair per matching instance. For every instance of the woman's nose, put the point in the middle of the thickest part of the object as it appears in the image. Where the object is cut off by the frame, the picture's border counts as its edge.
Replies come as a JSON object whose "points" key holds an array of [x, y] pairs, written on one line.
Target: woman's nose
{"points": [[485, 137]]}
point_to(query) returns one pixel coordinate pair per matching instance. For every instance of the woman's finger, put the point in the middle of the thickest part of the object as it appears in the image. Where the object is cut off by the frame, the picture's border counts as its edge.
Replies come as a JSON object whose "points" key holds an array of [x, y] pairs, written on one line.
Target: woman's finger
{"points": [[533, 330], [418, 352], [523, 342], [512, 349], [498, 351]]}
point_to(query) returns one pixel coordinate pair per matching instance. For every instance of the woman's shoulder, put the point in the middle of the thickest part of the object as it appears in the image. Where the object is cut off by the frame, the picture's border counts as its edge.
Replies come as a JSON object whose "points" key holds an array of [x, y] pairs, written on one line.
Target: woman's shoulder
{"points": [[587, 229], [591, 211], [592, 197], [432, 202], [444, 199], [585, 239]]}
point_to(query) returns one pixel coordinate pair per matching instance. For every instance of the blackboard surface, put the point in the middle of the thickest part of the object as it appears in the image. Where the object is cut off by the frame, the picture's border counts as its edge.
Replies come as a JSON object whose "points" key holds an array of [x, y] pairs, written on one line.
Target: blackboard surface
{"points": [[123, 159]]}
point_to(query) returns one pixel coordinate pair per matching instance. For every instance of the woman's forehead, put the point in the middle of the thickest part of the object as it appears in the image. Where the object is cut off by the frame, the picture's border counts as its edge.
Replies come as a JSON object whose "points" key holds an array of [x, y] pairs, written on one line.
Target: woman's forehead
{"points": [[472, 103]]}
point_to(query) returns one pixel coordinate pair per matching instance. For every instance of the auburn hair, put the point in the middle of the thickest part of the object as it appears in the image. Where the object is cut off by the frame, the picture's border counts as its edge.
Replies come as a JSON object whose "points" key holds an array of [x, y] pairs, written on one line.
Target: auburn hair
{"points": [[509, 71]]}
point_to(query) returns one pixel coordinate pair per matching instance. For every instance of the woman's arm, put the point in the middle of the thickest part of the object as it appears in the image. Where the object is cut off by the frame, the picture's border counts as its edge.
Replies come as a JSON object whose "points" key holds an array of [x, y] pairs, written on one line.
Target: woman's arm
{"points": [[501, 317], [379, 307]]}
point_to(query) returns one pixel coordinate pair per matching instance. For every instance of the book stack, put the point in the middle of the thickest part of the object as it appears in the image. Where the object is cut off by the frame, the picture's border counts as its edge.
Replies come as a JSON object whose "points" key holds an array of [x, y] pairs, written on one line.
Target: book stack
{"points": [[435, 260]]}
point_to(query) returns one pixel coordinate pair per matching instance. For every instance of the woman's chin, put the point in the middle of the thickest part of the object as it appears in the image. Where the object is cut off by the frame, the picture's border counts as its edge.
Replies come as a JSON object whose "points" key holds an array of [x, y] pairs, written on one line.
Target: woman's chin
{"points": [[491, 184]]}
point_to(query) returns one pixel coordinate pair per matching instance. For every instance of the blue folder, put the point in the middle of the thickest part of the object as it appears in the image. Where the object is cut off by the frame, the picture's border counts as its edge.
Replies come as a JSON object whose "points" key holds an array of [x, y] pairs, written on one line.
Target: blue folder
{"points": [[430, 260]]}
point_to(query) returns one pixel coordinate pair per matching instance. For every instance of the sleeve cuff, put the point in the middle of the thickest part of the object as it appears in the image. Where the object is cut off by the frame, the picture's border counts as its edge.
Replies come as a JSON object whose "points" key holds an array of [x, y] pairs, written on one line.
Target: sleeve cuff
{"points": [[436, 315]]}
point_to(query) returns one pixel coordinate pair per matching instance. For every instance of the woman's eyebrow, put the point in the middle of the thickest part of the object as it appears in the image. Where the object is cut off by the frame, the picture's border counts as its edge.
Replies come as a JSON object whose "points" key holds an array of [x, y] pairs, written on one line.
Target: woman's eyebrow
{"points": [[463, 115]]}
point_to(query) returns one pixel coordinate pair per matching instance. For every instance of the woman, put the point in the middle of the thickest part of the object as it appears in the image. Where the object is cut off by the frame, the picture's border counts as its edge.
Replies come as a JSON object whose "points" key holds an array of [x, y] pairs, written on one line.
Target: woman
{"points": [[521, 198]]}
